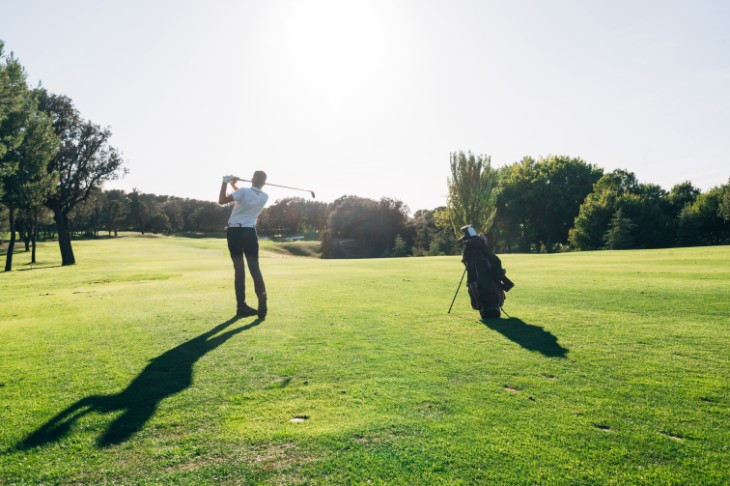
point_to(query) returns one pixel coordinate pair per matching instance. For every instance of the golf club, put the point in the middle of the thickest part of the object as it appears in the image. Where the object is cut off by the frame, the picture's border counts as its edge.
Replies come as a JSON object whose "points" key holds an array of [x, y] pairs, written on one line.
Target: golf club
{"points": [[277, 185]]}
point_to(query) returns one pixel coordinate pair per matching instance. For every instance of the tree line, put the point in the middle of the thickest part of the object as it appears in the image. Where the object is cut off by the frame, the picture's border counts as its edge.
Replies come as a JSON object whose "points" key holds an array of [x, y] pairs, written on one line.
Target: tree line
{"points": [[557, 203], [562, 203]]}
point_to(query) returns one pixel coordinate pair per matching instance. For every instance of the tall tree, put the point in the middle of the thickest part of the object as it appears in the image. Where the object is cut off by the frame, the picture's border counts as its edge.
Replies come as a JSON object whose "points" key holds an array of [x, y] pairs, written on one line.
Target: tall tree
{"points": [[13, 98], [472, 191], [27, 142], [84, 161]]}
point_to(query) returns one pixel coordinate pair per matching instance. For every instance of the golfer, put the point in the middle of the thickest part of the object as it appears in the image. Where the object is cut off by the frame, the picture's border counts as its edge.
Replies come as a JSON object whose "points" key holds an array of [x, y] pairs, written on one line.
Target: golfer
{"points": [[248, 202]]}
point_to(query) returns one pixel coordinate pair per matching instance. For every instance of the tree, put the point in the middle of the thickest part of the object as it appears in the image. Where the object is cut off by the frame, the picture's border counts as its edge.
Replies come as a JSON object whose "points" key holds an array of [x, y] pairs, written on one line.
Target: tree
{"points": [[432, 233], [599, 208], [682, 195], [172, 208], [619, 234], [400, 247], [27, 142], [539, 200], [115, 211], [723, 209], [689, 227], [84, 161], [294, 215], [363, 228], [29, 222], [708, 215], [649, 208], [87, 216], [472, 195], [209, 217], [3, 222], [13, 100]]}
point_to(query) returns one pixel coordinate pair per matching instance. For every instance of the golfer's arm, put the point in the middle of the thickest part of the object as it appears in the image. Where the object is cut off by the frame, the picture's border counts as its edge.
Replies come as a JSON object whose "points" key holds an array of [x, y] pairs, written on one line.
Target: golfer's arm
{"points": [[224, 198]]}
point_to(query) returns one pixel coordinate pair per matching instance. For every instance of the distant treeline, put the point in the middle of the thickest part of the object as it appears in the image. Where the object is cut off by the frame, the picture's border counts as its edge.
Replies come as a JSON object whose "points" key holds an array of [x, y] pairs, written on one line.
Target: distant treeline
{"points": [[348, 227], [547, 205]]}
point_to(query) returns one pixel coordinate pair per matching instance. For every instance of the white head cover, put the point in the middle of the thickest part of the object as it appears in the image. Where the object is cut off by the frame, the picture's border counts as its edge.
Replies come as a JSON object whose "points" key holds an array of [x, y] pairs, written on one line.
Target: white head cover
{"points": [[468, 231]]}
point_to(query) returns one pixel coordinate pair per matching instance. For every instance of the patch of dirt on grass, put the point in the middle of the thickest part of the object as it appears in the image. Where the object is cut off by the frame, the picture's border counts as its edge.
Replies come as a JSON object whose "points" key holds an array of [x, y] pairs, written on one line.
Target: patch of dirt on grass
{"points": [[281, 456], [510, 389], [273, 458], [676, 437]]}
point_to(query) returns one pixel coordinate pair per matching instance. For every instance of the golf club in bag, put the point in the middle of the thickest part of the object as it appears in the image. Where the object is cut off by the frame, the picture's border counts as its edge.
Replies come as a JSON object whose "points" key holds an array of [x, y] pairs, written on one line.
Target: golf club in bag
{"points": [[276, 185], [486, 280]]}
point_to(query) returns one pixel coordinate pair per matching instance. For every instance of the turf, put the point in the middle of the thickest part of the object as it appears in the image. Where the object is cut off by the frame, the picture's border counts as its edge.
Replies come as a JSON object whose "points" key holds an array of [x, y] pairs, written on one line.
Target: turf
{"points": [[128, 368]]}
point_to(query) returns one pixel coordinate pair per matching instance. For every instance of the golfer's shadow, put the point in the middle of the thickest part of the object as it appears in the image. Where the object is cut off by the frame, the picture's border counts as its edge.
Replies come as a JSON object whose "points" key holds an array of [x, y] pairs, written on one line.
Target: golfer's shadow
{"points": [[164, 376], [531, 337]]}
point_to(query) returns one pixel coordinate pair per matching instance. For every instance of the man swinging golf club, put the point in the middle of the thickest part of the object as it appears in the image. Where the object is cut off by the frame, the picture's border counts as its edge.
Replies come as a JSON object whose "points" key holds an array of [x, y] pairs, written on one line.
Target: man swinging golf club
{"points": [[248, 202]]}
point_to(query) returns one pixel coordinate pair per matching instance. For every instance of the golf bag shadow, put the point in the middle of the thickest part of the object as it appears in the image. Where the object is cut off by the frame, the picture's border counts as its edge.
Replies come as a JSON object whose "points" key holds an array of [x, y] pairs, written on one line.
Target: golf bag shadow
{"points": [[486, 280]]}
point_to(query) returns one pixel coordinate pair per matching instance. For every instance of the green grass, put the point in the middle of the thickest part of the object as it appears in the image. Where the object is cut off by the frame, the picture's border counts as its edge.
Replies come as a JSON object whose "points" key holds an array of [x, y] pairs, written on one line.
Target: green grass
{"points": [[612, 370]]}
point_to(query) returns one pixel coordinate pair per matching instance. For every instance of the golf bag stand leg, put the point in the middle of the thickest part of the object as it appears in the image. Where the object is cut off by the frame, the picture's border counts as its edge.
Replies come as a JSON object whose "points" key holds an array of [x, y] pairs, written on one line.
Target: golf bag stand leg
{"points": [[457, 291]]}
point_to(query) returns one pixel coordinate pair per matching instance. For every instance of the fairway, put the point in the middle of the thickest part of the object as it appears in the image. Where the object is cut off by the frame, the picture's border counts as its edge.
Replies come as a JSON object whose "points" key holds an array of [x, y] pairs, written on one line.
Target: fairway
{"points": [[129, 368]]}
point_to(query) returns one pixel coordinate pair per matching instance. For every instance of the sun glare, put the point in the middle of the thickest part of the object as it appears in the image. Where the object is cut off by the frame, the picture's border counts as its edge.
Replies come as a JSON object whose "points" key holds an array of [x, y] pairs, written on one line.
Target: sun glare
{"points": [[337, 48]]}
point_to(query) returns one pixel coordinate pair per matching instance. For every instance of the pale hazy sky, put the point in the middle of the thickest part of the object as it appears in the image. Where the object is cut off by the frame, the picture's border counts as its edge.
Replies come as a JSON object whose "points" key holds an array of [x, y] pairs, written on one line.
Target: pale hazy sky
{"points": [[369, 98]]}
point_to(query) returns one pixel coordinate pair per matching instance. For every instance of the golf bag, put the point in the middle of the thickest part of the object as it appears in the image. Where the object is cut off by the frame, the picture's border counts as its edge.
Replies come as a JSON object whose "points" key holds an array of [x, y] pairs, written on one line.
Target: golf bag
{"points": [[486, 280]]}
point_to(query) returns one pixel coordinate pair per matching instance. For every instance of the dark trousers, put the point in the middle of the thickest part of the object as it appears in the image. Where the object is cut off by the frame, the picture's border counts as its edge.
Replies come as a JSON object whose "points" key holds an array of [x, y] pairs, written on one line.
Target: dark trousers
{"points": [[245, 241]]}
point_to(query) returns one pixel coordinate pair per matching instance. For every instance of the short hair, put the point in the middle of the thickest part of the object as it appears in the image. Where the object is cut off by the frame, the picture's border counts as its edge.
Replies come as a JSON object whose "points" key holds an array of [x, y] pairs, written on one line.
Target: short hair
{"points": [[259, 178]]}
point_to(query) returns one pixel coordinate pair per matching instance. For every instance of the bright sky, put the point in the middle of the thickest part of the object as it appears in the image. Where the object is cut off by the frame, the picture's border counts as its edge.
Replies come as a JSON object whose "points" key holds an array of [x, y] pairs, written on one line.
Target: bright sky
{"points": [[369, 98]]}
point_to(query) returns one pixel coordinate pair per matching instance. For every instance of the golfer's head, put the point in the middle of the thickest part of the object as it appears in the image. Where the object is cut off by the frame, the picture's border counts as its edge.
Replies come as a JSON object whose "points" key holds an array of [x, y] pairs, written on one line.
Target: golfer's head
{"points": [[258, 179]]}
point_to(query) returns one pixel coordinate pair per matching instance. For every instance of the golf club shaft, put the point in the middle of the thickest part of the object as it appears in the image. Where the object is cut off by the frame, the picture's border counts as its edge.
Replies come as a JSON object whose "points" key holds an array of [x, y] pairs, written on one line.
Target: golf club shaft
{"points": [[279, 185]]}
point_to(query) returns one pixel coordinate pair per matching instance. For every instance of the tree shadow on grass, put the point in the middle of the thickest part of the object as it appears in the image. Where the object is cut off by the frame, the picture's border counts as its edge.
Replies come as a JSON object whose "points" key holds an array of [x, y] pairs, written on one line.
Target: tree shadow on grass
{"points": [[168, 374], [529, 336]]}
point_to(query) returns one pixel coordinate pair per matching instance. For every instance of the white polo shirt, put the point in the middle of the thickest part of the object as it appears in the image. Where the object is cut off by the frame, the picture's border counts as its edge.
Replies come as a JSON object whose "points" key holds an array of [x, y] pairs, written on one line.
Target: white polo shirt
{"points": [[248, 202]]}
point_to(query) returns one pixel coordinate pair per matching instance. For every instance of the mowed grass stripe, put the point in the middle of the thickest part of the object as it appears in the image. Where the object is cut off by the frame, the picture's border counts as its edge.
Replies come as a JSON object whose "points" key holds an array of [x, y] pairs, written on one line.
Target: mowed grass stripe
{"points": [[613, 369]]}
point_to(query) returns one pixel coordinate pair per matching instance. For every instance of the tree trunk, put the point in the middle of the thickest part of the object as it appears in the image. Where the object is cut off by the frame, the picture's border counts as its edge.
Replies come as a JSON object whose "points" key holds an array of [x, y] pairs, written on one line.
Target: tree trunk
{"points": [[11, 244], [34, 229], [64, 239]]}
